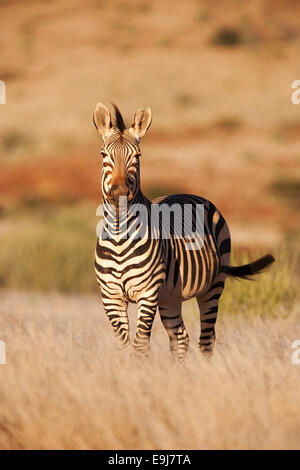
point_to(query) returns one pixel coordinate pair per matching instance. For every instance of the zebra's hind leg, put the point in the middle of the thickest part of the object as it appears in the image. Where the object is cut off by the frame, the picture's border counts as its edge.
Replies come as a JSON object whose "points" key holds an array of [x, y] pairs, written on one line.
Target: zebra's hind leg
{"points": [[171, 318], [208, 306]]}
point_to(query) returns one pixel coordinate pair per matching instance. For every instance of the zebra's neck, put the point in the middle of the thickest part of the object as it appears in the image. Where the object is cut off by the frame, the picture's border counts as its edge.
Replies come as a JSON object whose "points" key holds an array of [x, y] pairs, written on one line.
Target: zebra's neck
{"points": [[128, 220]]}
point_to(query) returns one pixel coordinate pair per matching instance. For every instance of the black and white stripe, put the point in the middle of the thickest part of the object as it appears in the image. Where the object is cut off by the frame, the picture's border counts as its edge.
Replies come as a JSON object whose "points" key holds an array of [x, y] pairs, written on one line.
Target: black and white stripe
{"points": [[153, 271]]}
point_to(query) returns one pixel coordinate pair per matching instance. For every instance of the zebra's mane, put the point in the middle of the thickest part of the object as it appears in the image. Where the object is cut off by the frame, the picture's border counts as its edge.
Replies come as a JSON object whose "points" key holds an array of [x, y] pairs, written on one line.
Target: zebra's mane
{"points": [[119, 122]]}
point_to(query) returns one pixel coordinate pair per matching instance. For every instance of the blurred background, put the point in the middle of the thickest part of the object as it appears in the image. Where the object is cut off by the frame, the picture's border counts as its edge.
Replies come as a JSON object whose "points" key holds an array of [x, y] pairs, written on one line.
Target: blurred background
{"points": [[217, 76]]}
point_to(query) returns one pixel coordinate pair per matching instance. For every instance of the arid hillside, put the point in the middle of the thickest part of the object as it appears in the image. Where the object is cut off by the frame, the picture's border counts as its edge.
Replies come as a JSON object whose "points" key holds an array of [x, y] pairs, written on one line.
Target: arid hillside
{"points": [[218, 79]]}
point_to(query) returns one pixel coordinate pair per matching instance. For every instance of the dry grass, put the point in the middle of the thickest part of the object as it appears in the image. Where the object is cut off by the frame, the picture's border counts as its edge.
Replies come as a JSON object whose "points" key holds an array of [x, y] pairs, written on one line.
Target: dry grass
{"points": [[65, 387]]}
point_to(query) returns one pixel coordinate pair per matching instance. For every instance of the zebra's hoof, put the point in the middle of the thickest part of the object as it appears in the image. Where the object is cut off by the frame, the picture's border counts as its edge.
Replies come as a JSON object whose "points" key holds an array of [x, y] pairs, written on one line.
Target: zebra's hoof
{"points": [[207, 351]]}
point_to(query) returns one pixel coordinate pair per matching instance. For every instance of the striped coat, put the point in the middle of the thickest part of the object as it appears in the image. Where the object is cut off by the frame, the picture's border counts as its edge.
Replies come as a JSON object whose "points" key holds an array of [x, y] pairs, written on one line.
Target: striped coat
{"points": [[148, 263]]}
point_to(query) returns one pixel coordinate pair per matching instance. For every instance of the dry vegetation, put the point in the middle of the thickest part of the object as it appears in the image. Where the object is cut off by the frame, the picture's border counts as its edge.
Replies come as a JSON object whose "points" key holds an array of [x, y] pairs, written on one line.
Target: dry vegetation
{"points": [[217, 76], [65, 387]]}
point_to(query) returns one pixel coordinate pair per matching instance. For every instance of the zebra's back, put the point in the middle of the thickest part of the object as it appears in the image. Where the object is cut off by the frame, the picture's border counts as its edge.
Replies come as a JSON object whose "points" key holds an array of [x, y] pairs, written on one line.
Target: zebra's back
{"points": [[191, 270]]}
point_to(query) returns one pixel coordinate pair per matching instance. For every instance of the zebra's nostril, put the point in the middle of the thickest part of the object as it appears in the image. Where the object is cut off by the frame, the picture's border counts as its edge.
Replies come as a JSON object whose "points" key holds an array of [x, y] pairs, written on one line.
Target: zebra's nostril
{"points": [[113, 188], [118, 190]]}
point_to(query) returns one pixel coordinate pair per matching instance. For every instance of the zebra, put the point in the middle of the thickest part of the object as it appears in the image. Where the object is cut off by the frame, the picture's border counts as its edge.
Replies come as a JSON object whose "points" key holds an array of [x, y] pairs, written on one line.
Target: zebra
{"points": [[156, 272]]}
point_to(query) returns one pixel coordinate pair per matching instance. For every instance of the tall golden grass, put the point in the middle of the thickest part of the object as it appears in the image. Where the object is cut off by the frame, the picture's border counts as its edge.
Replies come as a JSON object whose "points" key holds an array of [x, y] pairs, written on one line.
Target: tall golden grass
{"points": [[64, 386]]}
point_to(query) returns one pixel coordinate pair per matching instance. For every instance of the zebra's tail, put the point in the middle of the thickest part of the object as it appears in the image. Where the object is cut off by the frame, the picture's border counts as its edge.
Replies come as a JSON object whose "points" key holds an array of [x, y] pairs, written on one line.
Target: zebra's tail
{"points": [[247, 270]]}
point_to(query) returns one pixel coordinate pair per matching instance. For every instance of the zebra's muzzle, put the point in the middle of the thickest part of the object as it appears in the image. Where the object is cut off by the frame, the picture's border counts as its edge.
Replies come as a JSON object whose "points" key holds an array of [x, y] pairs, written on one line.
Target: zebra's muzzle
{"points": [[118, 191]]}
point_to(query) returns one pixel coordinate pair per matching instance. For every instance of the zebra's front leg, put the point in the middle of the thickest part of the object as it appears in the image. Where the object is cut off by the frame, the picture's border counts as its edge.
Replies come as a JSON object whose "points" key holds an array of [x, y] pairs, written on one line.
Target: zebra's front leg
{"points": [[172, 320], [116, 311], [147, 306]]}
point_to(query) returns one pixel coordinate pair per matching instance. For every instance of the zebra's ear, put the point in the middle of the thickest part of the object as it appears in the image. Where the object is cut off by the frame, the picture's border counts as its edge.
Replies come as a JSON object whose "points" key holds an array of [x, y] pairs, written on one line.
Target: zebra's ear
{"points": [[142, 121], [102, 120]]}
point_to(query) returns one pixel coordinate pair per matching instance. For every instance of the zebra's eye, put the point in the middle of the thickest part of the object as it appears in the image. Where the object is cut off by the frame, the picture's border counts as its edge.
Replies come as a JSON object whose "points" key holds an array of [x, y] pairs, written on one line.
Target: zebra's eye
{"points": [[135, 162], [103, 153]]}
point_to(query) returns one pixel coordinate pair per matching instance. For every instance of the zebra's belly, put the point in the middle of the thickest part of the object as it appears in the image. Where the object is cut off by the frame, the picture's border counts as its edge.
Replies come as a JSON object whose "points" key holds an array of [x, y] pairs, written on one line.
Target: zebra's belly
{"points": [[180, 293], [190, 273]]}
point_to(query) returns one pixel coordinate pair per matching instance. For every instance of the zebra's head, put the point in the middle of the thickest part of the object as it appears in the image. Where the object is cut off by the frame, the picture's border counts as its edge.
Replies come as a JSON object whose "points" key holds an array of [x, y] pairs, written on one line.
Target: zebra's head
{"points": [[120, 152]]}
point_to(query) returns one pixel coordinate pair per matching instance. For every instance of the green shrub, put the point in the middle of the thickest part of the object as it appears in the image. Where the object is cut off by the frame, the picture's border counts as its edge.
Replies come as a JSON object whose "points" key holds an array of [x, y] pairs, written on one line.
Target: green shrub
{"points": [[288, 189], [228, 37], [271, 293], [53, 250]]}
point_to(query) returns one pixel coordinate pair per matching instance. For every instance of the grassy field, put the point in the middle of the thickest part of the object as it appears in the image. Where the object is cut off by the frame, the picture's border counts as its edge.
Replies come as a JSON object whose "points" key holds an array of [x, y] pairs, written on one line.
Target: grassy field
{"points": [[65, 387]]}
